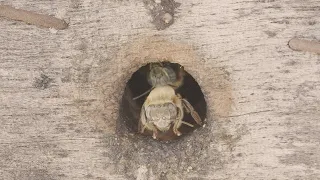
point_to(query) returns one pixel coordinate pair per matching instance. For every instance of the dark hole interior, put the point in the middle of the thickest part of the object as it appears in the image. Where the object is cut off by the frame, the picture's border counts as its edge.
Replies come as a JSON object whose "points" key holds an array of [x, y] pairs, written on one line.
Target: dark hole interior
{"points": [[138, 84]]}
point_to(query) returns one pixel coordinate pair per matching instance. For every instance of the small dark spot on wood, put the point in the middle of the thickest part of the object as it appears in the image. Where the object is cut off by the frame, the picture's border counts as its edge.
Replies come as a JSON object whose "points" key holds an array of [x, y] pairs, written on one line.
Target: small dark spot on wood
{"points": [[61, 129], [223, 22], [284, 21], [78, 131], [270, 33], [43, 82], [62, 175], [285, 71], [291, 63], [239, 155], [274, 7], [72, 126], [271, 88], [63, 153], [265, 1], [89, 176], [311, 23]]}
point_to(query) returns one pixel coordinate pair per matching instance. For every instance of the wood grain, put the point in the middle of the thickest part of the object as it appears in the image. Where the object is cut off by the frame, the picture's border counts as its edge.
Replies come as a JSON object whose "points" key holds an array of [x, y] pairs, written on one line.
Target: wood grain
{"points": [[60, 91]]}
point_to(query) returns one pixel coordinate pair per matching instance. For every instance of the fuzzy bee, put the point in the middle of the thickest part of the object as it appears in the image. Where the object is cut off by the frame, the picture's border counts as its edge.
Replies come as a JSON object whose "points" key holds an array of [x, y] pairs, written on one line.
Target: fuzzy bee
{"points": [[164, 108]]}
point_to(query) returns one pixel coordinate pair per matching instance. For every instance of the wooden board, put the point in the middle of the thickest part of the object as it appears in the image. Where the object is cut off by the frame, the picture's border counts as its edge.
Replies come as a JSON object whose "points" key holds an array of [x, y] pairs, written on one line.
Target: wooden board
{"points": [[60, 91]]}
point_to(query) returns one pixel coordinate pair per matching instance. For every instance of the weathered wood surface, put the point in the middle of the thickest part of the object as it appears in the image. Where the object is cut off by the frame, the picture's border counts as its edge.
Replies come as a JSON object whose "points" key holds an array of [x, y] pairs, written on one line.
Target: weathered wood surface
{"points": [[57, 122]]}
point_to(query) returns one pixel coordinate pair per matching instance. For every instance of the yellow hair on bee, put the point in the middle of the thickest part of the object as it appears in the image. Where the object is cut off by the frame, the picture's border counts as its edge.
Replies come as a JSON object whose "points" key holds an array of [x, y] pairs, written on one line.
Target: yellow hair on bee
{"points": [[161, 95]]}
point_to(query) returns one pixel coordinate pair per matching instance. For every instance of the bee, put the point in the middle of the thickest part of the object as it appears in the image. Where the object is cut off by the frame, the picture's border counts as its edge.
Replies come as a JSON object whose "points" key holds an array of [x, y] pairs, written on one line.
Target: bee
{"points": [[163, 107]]}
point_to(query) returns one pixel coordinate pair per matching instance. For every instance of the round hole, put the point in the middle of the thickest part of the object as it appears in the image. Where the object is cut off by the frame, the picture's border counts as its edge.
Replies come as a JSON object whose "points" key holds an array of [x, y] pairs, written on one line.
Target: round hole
{"points": [[138, 84]]}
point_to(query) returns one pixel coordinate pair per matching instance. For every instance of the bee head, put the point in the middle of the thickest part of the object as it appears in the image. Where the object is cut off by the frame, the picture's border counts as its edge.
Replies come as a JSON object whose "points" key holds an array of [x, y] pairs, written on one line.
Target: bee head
{"points": [[163, 125], [161, 115], [161, 74]]}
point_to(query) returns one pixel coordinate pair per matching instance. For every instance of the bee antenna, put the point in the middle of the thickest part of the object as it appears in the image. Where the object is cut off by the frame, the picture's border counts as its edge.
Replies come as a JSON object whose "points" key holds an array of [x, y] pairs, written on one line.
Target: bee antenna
{"points": [[135, 98]]}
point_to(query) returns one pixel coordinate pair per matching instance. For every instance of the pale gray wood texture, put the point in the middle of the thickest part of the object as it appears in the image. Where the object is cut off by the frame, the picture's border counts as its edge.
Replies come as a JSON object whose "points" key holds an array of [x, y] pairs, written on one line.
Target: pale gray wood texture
{"points": [[60, 90]]}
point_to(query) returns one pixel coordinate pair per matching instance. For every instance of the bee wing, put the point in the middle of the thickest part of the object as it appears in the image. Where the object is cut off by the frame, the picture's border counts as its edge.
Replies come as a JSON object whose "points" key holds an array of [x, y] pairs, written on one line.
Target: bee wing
{"points": [[194, 113]]}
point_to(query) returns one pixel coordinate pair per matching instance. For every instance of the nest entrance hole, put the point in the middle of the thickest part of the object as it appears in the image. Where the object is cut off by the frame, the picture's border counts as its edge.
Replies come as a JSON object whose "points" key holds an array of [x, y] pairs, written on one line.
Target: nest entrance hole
{"points": [[138, 84]]}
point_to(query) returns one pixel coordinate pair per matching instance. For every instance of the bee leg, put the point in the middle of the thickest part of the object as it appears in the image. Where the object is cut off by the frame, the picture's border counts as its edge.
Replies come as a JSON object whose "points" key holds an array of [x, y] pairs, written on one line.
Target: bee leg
{"points": [[188, 124], [153, 128], [178, 122], [142, 129], [176, 131], [142, 121], [155, 131], [190, 110], [155, 134]]}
